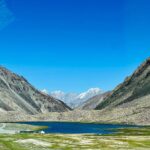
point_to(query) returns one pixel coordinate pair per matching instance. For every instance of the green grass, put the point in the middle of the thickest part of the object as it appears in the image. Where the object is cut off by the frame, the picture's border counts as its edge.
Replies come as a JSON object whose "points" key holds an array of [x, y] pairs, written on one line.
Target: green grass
{"points": [[142, 131], [69, 142], [131, 138]]}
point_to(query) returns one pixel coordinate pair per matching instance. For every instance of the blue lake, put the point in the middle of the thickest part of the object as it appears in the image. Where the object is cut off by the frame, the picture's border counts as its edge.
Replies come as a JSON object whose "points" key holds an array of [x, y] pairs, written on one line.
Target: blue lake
{"points": [[78, 128]]}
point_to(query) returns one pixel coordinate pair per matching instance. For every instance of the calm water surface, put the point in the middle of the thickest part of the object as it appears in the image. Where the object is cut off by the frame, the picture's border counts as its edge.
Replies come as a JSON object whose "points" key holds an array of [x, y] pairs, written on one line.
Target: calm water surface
{"points": [[78, 128]]}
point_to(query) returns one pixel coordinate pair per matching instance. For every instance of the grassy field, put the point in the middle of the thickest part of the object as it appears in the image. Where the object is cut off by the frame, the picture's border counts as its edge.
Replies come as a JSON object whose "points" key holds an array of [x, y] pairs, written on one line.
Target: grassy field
{"points": [[137, 138]]}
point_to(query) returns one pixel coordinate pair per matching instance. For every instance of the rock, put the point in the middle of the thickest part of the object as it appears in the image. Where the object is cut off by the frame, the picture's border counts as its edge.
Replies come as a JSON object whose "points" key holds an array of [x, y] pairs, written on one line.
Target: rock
{"points": [[18, 95], [133, 88]]}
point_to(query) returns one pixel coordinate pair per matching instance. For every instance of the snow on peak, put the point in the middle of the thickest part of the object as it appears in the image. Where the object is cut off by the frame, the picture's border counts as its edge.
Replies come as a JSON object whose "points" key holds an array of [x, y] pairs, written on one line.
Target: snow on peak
{"points": [[74, 99], [90, 93], [58, 94], [45, 91]]}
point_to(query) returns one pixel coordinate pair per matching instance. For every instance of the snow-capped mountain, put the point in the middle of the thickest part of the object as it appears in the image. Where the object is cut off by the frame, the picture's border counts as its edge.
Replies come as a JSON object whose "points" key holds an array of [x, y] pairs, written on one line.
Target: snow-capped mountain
{"points": [[89, 93], [74, 99]]}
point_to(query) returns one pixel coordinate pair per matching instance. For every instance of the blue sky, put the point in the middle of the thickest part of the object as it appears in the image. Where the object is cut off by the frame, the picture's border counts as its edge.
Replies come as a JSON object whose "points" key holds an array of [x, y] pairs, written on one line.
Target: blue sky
{"points": [[72, 45]]}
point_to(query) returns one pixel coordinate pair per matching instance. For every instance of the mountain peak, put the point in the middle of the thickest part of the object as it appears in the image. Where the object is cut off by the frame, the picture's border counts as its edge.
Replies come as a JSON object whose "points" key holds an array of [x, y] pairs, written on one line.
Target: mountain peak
{"points": [[90, 93], [135, 86], [141, 68], [17, 94], [76, 99]]}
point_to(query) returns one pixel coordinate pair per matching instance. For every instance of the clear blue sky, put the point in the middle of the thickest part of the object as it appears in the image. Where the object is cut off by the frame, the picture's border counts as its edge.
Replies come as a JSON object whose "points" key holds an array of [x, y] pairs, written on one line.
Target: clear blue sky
{"points": [[73, 45]]}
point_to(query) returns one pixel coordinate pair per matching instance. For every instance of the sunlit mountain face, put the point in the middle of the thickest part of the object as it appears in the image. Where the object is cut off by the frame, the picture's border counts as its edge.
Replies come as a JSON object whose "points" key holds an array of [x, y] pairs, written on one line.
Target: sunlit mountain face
{"points": [[6, 15], [74, 99]]}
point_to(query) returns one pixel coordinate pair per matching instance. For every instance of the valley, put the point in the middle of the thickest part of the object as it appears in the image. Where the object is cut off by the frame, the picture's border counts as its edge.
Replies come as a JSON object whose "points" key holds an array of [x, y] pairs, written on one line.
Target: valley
{"points": [[127, 104]]}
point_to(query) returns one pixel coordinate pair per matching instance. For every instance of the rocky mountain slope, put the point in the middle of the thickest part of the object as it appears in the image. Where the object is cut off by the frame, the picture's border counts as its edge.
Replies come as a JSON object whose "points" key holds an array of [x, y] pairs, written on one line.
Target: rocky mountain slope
{"points": [[93, 102], [18, 95], [128, 103], [73, 99], [134, 88]]}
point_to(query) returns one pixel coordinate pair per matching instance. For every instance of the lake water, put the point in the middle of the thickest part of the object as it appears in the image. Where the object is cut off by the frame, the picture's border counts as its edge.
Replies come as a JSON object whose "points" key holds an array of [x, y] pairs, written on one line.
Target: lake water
{"points": [[78, 128]]}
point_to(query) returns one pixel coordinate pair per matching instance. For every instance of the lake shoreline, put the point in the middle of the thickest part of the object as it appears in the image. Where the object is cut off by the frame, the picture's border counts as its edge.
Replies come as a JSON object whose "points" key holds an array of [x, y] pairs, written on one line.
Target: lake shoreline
{"points": [[125, 138], [113, 116], [66, 127]]}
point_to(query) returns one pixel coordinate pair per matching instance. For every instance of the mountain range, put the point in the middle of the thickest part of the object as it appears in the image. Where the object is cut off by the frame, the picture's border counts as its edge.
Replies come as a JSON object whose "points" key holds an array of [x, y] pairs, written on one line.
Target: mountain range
{"points": [[73, 99], [128, 103]]}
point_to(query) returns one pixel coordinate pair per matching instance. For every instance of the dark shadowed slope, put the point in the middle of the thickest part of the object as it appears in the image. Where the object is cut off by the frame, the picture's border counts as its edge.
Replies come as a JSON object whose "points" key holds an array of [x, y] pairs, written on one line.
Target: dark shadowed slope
{"points": [[133, 88], [16, 94]]}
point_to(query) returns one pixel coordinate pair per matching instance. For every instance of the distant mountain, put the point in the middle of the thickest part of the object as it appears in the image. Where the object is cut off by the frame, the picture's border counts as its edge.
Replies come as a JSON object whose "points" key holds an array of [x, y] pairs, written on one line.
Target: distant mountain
{"points": [[74, 99], [134, 90], [93, 102], [128, 103], [5, 15], [18, 95]]}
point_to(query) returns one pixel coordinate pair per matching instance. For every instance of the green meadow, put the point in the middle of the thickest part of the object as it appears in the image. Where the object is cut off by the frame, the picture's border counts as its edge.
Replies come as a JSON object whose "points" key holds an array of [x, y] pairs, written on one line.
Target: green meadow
{"points": [[137, 138]]}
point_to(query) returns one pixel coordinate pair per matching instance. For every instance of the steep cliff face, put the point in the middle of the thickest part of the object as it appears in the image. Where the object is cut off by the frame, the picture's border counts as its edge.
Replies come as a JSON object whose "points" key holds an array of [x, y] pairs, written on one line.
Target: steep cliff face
{"points": [[132, 89], [17, 94]]}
